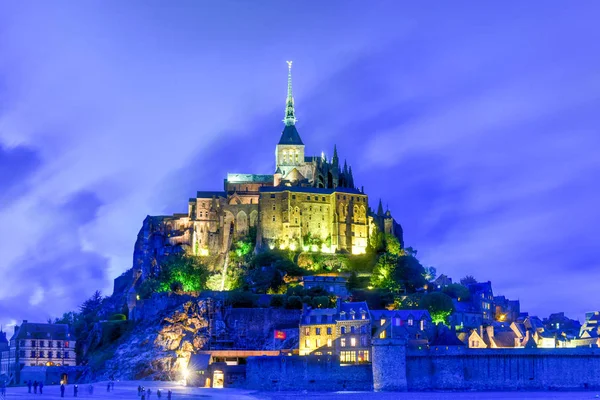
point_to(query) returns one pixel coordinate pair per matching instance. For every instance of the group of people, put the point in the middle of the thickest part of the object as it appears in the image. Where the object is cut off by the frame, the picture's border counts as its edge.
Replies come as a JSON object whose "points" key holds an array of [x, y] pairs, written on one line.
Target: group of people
{"points": [[145, 394], [35, 386], [75, 390]]}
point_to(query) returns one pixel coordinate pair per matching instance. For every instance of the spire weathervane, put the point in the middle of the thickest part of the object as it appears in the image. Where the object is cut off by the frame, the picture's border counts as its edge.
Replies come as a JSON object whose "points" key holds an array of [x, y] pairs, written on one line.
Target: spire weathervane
{"points": [[290, 115]]}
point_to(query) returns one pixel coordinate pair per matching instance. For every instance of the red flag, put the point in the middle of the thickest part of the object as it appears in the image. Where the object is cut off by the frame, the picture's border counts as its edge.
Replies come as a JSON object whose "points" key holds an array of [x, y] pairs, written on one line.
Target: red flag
{"points": [[280, 335]]}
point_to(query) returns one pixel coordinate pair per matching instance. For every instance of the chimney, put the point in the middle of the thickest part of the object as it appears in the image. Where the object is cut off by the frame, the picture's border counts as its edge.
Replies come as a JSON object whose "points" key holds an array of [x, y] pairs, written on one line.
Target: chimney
{"points": [[490, 331], [24, 321], [338, 304], [481, 331]]}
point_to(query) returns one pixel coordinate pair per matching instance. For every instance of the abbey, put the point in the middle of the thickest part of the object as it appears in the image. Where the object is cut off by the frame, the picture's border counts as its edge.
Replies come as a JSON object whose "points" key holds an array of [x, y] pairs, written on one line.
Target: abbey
{"points": [[309, 203]]}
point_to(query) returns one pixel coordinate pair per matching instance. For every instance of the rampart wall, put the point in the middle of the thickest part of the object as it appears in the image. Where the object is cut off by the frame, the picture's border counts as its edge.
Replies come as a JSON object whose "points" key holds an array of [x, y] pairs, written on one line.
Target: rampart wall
{"points": [[441, 369], [503, 369], [306, 373]]}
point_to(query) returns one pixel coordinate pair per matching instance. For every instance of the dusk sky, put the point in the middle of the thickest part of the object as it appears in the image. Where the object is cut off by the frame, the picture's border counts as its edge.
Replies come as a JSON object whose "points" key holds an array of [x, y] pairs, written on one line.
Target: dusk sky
{"points": [[477, 123]]}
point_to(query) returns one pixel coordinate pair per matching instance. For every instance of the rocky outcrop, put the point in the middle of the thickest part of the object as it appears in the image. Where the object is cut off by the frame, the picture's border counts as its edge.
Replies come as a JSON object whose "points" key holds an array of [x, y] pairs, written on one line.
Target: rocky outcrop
{"points": [[157, 348]]}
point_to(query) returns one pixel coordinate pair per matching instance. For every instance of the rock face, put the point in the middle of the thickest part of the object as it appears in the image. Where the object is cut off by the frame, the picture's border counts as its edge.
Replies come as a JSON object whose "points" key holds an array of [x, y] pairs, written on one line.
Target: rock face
{"points": [[159, 348]]}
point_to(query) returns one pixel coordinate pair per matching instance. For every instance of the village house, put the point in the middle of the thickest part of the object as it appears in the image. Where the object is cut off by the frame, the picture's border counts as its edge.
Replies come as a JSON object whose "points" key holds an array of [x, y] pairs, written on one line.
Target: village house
{"points": [[334, 284], [506, 310], [344, 331], [482, 298], [39, 345], [414, 325]]}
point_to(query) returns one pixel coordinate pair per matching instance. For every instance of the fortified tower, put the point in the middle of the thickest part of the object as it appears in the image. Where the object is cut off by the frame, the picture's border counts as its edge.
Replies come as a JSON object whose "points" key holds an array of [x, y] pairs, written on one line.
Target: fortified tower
{"points": [[389, 363]]}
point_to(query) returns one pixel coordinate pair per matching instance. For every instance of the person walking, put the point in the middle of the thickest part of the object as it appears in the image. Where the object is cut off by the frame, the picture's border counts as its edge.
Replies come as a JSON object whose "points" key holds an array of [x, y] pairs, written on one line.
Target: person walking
{"points": [[29, 385], [75, 390], [158, 393], [169, 395], [108, 387], [41, 386], [3, 388], [139, 390], [35, 386], [62, 390], [149, 392]]}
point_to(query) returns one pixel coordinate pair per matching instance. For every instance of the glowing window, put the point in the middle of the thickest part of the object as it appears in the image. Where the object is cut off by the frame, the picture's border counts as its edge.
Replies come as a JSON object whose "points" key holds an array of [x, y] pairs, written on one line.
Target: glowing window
{"points": [[343, 342], [353, 342], [328, 342]]}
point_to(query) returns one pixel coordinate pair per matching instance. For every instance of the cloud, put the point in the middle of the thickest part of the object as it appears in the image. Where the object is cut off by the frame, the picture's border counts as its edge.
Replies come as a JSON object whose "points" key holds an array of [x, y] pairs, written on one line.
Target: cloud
{"points": [[56, 272], [17, 165]]}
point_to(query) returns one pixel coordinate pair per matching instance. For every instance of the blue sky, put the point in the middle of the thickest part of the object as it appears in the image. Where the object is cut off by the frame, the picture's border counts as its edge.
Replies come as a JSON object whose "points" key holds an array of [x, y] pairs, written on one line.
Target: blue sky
{"points": [[477, 123]]}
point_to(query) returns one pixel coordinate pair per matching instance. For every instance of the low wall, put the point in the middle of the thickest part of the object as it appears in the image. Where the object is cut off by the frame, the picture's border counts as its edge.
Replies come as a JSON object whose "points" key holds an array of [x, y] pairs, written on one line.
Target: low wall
{"points": [[306, 373], [503, 369]]}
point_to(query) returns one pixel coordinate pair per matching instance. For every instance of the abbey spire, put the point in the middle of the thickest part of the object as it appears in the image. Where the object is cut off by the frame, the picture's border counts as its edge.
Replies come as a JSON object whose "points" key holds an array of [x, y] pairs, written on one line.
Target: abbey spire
{"points": [[290, 114]]}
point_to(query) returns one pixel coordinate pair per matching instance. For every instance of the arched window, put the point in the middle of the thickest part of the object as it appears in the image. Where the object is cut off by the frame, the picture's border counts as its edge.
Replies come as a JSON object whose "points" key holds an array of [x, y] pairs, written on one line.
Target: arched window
{"points": [[343, 330], [285, 156]]}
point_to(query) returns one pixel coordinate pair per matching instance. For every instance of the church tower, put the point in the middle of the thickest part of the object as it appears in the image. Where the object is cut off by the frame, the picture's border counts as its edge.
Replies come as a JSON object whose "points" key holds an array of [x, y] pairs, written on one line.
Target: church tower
{"points": [[289, 154]]}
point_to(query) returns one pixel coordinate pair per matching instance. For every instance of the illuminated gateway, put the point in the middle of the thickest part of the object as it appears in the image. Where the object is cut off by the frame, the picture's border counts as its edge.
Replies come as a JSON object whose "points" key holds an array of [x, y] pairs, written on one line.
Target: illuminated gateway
{"points": [[310, 203]]}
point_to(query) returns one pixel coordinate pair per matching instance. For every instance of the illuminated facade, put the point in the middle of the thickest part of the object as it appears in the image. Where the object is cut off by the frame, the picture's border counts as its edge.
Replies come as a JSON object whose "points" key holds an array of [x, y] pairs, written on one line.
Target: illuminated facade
{"points": [[344, 331], [35, 344], [309, 203]]}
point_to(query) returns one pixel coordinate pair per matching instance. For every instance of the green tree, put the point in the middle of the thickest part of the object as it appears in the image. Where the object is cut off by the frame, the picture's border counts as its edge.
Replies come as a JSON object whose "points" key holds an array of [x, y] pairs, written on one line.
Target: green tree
{"points": [[277, 300], [392, 245], [383, 273], [293, 303], [439, 305], [457, 291], [321, 302], [182, 272], [147, 288], [468, 280]]}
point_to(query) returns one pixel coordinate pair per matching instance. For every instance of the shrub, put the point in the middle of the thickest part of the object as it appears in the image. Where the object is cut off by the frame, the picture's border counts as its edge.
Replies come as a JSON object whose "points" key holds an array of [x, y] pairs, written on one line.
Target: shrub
{"points": [[293, 303], [321, 302], [243, 299], [117, 317], [148, 288], [277, 300]]}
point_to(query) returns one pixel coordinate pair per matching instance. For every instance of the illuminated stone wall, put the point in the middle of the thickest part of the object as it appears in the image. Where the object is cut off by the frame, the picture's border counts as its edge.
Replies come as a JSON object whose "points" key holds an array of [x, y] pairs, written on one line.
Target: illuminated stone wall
{"points": [[306, 373], [503, 369], [336, 219]]}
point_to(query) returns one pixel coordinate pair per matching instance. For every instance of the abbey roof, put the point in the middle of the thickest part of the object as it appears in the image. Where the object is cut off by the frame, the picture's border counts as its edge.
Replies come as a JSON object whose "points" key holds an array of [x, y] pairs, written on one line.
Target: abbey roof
{"points": [[290, 136], [303, 189]]}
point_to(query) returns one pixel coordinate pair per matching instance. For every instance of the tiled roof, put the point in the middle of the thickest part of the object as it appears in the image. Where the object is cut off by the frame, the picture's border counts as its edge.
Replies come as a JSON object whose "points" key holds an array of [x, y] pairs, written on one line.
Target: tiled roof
{"points": [[303, 189], [402, 314], [347, 308], [31, 330], [290, 136], [209, 194], [446, 338]]}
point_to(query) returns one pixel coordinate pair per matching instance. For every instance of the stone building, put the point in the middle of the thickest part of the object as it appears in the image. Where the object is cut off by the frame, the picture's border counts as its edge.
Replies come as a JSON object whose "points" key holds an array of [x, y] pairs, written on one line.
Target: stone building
{"points": [[344, 331], [40, 345], [334, 283], [415, 326], [309, 203], [4, 355]]}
